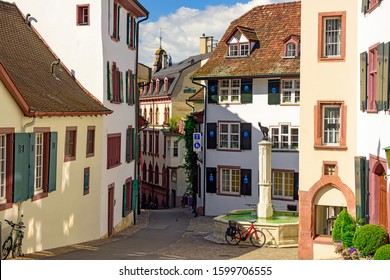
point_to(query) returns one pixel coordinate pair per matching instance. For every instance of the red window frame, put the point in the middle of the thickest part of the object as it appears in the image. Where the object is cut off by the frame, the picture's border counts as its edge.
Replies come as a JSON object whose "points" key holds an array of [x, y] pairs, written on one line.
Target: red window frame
{"points": [[81, 16], [70, 143], [321, 19], [113, 150], [90, 148]]}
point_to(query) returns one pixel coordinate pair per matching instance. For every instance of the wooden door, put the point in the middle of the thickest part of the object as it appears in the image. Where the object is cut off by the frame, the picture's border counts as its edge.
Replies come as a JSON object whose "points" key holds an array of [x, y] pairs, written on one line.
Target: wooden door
{"points": [[383, 202], [110, 221]]}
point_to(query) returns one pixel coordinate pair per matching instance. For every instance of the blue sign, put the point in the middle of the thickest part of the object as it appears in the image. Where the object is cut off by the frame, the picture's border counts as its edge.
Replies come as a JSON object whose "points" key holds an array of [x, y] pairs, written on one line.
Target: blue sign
{"points": [[197, 145], [246, 134], [211, 178], [246, 180], [246, 88], [196, 136], [273, 90], [211, 133]]}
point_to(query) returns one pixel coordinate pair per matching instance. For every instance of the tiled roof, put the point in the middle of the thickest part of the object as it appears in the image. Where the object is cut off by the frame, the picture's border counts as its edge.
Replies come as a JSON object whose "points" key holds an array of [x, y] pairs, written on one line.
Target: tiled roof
{"points": [[272, 24], [26, 65], [249, 33]]}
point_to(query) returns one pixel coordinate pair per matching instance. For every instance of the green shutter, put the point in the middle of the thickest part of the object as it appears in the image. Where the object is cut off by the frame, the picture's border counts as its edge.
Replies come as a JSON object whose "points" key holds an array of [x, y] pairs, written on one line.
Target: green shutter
{"points": [[212, 91], [127, 87], [273, 92], [124, 201], [109, 81], [361, 187], [379, 80], [53, 162], [363, 81], [133, 152], [24, 157], [246, 91], [118, 23], [86, 180], [128, 29], [134, 197], [386, 76], [364, 6], [120, 86], [135, 33], [128, 145], [133, 87]]}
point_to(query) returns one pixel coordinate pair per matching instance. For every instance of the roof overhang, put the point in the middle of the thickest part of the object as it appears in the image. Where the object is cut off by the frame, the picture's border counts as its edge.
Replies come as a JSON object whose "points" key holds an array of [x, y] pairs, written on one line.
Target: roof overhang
{"points": [[134, 7]]}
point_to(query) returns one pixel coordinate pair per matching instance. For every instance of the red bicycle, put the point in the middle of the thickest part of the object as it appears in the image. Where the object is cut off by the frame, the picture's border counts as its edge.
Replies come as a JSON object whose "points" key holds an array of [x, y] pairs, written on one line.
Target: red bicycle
{"points": [[234, 234]]}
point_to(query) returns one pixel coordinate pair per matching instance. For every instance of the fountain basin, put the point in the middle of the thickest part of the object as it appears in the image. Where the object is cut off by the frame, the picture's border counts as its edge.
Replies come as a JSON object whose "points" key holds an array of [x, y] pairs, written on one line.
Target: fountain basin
{"points": [[281, 230]]}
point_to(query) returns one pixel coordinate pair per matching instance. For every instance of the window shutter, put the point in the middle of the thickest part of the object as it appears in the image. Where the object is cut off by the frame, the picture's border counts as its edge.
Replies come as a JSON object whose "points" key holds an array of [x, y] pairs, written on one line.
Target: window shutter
{"points": [[120, 86], [246, 182], [109, 81], [132, 87], [379, 80], [118, 23], [128, 29], [364, 6], [211, 135], [128, 145], [361, 187], [296, 185], [212, 91], [386, 75], [246, 136], [124, 201], [23, 183], [86, 180], [133, 142], [134, 197], [363, 81], [134, 33], [273, 92], [246, 91], [211, 173], [127, 87], [53, 162]]}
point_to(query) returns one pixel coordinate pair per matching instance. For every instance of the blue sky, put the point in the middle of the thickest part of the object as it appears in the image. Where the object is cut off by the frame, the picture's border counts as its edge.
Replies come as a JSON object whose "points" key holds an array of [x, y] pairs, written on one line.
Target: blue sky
{"points": [[182, 23]]}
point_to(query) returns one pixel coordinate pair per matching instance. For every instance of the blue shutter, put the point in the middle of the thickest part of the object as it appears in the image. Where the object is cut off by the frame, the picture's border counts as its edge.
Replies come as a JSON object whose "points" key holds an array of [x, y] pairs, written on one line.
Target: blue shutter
{"points": [[23, 187], [53, 162]]}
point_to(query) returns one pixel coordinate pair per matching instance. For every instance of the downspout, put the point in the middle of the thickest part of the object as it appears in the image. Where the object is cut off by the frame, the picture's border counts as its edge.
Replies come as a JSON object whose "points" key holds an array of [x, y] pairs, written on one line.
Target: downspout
{"points": [[137, 130], [193, 107], [204, 143]]}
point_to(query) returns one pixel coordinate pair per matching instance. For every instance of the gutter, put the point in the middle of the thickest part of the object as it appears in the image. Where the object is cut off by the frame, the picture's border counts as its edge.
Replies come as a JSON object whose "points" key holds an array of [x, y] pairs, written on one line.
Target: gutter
{"points": [[204, 144], [137, 129], [246, 76]]}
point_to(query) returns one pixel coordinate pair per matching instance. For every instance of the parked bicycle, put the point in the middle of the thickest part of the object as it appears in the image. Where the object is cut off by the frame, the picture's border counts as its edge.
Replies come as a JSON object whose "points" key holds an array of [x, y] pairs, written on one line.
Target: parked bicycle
{"points": [[14, 241], [234, 234]]}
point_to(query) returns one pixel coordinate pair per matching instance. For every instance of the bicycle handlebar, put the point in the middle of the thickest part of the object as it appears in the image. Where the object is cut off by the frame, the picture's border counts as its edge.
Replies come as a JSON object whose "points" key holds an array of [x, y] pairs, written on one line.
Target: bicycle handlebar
{"points": [[12, 224]]}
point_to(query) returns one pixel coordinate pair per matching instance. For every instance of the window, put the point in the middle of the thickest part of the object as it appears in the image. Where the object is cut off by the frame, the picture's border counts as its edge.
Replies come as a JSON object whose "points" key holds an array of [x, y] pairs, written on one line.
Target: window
{"points": [[116, 21], [332, 27], [291, 50], [130, 135], [127, 197], [230, 91], [144, 171], [330, 125], [229, 136], [325, 217], [131, 31], [168, 148], [369, 5], [239, 49], [38, 186], [90, 141], [6, 168], [113, 150], [70, 143], [372, 78], [150, 142], [283, 184], [156, 143], [86, 180], [176, 148], [83, 14], [156, 175], [150, 173], [157, 116], [115, 84], [290, 92], [145, 140], [230, 181], [285, 137], [150, 116]]}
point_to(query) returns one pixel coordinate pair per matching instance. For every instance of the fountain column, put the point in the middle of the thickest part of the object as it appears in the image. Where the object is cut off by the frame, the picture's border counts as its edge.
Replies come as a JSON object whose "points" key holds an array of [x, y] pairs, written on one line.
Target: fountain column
{"points": [[264, 207]]}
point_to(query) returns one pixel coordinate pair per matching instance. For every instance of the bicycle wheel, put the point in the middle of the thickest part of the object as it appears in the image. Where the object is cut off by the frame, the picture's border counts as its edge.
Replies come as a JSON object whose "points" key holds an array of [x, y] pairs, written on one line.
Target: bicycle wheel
{"points": [[17, 250], [233, 239], [257, 238], [6, 248]]}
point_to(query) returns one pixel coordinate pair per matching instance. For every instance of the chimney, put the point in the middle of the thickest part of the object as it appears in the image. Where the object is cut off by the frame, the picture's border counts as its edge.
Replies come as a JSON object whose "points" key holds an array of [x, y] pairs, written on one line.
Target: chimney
{"points": [[206, 44]]}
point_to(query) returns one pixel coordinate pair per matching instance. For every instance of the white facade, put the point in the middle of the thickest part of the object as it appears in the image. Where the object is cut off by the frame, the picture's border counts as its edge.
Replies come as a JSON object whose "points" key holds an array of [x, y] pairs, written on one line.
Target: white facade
{"points": [[87, 49], [268, 115]]}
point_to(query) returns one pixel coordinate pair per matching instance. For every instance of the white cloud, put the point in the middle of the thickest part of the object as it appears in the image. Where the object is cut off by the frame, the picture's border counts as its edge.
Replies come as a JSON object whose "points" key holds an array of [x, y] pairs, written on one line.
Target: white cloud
{"points": [[182, 29]]}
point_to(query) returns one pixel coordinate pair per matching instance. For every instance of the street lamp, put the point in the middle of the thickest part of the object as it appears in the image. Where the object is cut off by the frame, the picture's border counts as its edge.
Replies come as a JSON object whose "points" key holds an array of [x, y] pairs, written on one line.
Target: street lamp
{"points": [[387, 151]]}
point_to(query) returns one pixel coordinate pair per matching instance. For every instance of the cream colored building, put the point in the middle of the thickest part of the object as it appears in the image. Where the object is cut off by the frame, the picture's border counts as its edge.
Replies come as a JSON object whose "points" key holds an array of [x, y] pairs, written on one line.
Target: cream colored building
{"points": [[51, 137], [329, 73]]}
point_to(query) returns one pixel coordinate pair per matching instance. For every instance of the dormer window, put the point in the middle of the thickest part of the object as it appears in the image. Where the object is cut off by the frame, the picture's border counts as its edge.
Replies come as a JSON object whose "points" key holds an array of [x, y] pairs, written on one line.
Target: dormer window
{"points": [[241, 42], [291, 46]]}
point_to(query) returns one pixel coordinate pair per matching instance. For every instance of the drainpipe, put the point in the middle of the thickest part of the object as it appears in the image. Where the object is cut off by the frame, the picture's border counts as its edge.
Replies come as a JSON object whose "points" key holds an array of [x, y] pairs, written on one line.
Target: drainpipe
{"points": [[204, 144], [137, 130], [193, 107]]}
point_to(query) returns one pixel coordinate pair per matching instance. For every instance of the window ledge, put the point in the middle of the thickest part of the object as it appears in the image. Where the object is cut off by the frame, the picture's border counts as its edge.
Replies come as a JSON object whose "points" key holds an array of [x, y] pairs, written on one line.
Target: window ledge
{"points": [[285, 150], [323, 239], [330, 148], [228, 150], [372, 111], [289, 104], [332, 59], [237, 56], [289, 57], [5, 206], [229, 194], [39, 196]]}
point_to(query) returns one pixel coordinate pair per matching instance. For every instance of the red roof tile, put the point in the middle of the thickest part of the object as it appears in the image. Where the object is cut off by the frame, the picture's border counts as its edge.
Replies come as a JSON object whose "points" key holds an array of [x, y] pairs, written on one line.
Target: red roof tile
{"points": [[272, 24]]}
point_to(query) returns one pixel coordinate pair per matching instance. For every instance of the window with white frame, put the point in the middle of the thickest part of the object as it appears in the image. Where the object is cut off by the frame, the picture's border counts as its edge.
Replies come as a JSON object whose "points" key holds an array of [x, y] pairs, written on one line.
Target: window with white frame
{"points": [[233, 50], [239, 49], [229, 136], [332, 36], [291, 91], [285, 136], [331, 125], [38, 187], [291, 50], [244, 49], [230, 181], [283, 184], [3, 164], [176, 148], [230, 91]]}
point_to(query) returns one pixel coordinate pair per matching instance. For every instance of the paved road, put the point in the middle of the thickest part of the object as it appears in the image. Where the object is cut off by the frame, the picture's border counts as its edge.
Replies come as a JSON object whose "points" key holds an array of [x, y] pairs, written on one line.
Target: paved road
{"points": [[165, 235]]}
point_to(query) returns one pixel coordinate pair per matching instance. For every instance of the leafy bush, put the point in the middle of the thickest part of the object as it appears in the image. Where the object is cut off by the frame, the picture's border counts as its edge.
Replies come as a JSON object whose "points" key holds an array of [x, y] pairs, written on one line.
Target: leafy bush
{"points": [[369, 238], [344, 229], [383, 253]]}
